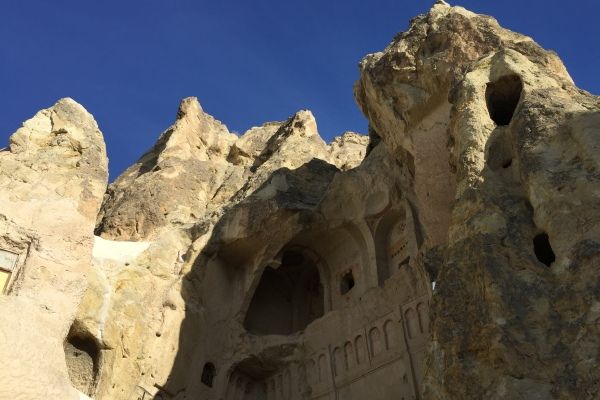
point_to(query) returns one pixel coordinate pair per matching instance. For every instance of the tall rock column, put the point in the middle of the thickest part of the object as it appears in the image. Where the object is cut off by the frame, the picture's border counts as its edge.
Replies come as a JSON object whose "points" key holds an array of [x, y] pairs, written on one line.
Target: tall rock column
{"points": [[506, 176], [52, 178]]}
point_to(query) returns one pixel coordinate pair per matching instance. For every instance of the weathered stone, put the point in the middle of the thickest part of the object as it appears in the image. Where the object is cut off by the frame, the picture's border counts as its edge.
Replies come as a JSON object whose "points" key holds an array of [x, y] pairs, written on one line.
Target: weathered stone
{"points": [[174, 182], [514, 297], [275, 266], [348, 151], [53, 178]]}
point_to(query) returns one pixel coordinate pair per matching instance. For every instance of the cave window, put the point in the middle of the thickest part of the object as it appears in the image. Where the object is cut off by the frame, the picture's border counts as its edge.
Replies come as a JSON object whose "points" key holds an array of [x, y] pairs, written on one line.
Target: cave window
{"points": [[543, 249], [4, 279], [502, 97], [287, 298], [347, 282], [82, 355], [8, 262], [208, 374], [404, 263]]}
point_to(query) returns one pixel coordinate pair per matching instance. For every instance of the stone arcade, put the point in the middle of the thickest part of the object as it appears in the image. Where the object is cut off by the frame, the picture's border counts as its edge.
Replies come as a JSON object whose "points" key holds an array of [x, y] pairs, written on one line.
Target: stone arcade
{"points": [[307, 333]]}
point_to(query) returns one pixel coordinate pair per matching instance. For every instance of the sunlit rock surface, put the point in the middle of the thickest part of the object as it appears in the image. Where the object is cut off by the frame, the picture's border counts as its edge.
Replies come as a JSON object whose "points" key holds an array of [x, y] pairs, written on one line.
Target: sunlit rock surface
{"points": [[449, 254]]}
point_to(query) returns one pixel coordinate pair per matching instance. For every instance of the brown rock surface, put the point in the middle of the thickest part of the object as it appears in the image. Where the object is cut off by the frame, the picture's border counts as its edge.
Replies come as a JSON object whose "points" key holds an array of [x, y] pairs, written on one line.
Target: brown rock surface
{"points": [[515, 298]]}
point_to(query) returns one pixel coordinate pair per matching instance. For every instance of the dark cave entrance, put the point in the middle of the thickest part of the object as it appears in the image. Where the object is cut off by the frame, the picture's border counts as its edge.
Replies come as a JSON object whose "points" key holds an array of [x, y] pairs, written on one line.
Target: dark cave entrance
{"points": [[502, 97], [543, 249], [286, 299], [347, 282], [208, 374]]}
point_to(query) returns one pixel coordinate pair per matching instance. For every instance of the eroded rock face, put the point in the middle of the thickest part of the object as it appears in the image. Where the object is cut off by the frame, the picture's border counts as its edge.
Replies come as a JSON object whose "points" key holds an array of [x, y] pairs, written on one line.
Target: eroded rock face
{"points": [[53, 177], [311, 269], [174, 182], [515, 298], [274, 175], [276, 266]]}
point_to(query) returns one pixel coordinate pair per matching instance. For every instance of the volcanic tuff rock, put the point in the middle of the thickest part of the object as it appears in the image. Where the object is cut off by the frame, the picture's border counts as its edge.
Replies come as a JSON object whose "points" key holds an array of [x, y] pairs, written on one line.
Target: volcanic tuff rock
{"points": [[197, 165], [515, 144], [53, 177], [275, 266], [172, 199]]}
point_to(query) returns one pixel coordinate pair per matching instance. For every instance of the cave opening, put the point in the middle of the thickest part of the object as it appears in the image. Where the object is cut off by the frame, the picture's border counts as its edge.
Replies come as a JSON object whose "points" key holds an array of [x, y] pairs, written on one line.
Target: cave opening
{"points": [[287, 298], [82, 355], [543, 249], [347, 282], [502, 97], [208, 374]]}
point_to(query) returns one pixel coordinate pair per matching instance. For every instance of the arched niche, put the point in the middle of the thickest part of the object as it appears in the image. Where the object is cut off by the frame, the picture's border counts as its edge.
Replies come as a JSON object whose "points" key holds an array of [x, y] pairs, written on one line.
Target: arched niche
{"points": [[208, 374], [395, 242], [83, 357], [346, 254], [502, 97], [287, 297]]}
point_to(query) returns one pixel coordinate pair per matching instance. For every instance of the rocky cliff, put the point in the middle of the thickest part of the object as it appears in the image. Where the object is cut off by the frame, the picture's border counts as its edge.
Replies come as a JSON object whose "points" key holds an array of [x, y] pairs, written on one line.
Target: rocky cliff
{"points": [[514, 308], [53, 177], [448, 255]]}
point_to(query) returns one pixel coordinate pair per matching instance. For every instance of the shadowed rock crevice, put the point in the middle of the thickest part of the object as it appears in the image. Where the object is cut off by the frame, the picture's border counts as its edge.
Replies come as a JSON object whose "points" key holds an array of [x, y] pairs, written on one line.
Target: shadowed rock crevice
{"points": [[543, 249]]}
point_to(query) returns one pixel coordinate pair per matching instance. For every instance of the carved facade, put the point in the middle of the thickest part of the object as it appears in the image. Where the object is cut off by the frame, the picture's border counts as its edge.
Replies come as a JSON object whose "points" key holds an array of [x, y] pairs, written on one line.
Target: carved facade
{"points": [[308, 334]]}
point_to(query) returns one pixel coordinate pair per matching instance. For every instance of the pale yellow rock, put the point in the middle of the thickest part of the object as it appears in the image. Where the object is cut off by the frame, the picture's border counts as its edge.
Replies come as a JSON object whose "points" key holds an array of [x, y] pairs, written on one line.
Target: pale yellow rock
{"points": [[53, 179]]}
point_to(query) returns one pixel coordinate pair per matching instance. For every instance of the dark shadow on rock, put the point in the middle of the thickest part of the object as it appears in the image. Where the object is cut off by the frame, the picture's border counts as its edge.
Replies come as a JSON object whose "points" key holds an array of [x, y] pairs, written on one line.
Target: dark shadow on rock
{"points": [[285, 193]]}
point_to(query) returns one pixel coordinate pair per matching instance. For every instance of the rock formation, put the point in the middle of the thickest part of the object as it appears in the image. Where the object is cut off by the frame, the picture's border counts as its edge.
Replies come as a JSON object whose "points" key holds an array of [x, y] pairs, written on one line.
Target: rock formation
{"points": [[449, 255], [514, 309], [53, 177]]}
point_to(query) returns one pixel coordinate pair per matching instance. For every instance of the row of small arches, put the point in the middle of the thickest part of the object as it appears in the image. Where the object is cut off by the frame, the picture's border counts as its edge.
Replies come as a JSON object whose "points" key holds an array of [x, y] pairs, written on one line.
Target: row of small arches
{"points": [[354, 353], [417, 320], [276, 387]]}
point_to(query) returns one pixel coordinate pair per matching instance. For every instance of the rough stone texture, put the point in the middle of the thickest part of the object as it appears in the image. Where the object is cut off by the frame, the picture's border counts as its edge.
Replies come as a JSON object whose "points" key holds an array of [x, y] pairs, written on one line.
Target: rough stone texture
{"points": [[348, 151], [174, 182], [505, 325], [53, 177], [207, 284], [279, 167], [275, 266]]}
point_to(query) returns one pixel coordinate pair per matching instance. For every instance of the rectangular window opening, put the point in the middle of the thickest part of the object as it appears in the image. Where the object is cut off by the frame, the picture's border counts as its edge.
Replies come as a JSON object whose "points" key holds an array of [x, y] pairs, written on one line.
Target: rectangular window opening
{"points": [[8, 263]]}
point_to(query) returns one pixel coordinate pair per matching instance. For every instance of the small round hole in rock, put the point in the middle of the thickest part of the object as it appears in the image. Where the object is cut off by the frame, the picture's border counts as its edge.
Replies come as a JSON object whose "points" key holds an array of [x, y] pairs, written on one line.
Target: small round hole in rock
{"points": [[502, 97], [500, 150], [543, 249], [347, 282]]}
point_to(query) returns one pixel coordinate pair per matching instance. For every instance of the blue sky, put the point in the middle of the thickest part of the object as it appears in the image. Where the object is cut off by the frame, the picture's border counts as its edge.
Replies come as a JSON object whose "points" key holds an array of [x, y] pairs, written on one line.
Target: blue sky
{"points": [[129, 62]]}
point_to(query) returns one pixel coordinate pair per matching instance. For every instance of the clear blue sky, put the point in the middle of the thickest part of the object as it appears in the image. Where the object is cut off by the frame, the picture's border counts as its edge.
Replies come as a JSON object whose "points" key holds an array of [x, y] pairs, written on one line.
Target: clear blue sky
{"points": [[129, 62]]}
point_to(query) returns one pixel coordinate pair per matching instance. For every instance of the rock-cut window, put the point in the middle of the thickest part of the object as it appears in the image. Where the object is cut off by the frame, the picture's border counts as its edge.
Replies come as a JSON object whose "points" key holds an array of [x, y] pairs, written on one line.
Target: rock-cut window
{"points": [[208, 374]]}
